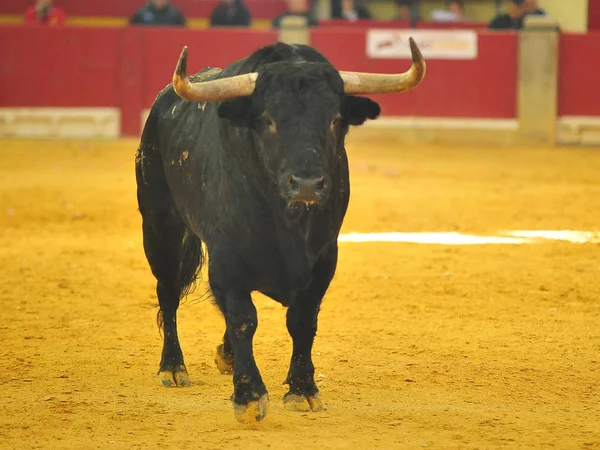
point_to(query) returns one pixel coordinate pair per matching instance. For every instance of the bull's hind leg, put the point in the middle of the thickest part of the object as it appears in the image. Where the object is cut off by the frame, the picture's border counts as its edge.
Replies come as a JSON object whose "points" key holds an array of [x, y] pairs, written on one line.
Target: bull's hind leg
{"points": [[224, 357], [172, 257], [163, 237], [302, 325]]}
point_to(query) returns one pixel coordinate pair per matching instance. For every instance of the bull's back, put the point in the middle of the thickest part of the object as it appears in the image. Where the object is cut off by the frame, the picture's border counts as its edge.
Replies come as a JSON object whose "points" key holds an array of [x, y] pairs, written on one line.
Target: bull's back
{"points": [[175, 130], [173, 118]]}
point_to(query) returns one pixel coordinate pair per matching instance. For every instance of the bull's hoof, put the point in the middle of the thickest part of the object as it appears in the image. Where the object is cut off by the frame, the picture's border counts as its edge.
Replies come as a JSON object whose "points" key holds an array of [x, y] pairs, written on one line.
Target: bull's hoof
{"points": [[253, 412], [223, 361], [176, 376], [302, 403]]}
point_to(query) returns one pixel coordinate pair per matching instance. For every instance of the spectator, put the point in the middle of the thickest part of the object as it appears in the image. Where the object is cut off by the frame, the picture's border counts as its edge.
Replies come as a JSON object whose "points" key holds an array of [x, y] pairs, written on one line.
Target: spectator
{"points": [[158, 13], [296, 8], [531, 7], [230, 13], [405, 10], [453, 13], [352, 10], [44, 13], [512, 19]]}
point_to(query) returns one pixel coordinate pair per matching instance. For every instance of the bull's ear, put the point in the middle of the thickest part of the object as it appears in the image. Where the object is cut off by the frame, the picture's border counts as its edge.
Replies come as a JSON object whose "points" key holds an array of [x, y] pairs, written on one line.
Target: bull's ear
{"points": [[238, 111], [356, 110]]}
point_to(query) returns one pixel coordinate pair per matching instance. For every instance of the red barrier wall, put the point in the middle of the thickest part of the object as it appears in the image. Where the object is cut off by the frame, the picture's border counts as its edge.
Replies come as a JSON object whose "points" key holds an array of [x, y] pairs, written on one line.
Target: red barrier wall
{"points": [[259, 9], [363, 23], [58, 67], [369, 23], [452, 25], [484, 87], [124, 68], [579, 75], [127, 67], [594, 15]]}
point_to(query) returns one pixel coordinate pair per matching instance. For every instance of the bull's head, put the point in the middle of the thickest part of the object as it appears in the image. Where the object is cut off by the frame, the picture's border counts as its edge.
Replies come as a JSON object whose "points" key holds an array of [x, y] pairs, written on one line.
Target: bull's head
{"points": [[299, 113]]}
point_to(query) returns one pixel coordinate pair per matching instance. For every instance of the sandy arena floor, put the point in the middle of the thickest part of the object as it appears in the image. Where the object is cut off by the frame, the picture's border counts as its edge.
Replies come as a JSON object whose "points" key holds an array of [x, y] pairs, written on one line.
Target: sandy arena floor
{"points": [[435, 346]]}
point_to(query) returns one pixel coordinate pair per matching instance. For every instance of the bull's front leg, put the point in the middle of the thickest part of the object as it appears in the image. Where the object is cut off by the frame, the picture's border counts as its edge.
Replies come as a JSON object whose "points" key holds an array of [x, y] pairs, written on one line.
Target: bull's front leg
{"points": [[302, 320], [250, 398]]}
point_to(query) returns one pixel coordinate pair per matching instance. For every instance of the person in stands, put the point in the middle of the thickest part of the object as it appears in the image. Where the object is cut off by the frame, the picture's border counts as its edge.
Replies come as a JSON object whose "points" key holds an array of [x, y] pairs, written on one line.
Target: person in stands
{"points": [[158, 13], [44, 13], [515, 17], [532, 7], [296, 8], [512, 19], [406, 10], [350, 10], [230, 13], [453, 13]]}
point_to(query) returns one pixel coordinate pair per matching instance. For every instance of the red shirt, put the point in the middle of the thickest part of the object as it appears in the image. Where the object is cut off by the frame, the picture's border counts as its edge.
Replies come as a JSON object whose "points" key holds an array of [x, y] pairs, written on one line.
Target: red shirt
{"points": [[55, 16]]}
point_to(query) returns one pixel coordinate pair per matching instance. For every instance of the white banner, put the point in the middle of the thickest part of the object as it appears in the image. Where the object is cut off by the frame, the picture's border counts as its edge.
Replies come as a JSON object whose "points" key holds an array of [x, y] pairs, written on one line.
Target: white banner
{"points": [[434, 44]]}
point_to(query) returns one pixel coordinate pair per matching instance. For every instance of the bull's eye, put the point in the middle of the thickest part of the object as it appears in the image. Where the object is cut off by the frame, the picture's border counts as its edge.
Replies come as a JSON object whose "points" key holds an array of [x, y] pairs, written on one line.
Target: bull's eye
{"points": [[268, 123], [335, 123]]}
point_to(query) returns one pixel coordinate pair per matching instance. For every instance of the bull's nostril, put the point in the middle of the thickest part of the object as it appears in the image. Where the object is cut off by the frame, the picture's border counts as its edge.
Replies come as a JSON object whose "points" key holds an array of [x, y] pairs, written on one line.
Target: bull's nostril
{"points": [[308, 190], [320, 184], [293, 183]]}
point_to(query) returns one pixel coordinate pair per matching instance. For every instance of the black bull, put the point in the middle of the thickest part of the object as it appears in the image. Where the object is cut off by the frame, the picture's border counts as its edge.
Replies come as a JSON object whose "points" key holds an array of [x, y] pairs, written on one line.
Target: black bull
{"points": [[262, 180]]}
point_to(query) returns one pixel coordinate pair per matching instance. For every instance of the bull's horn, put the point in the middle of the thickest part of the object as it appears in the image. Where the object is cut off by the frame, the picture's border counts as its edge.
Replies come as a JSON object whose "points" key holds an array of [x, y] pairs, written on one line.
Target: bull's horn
{"points": [[380, 83], [207, 91]]}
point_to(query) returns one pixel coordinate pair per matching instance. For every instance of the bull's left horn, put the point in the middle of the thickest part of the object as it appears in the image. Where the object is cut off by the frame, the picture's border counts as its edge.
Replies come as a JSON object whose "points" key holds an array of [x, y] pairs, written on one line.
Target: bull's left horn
{"points": [[207, 91], [380, 83]]}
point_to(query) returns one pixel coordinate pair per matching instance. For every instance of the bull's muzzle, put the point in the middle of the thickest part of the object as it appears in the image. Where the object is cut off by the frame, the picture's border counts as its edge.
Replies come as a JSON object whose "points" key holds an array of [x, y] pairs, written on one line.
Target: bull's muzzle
{"points": [[309, 191]]}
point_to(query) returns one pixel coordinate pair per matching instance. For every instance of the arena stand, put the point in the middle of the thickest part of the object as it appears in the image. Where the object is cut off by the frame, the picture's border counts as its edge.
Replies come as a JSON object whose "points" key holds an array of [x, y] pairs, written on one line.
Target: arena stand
{"points": [[117, 13], [197, 13], [126, 8], [100, 82]]}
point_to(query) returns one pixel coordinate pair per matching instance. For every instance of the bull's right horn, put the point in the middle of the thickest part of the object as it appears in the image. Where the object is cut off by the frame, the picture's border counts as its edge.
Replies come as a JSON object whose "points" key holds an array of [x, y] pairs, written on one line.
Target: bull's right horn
{"points": [[208, 91], [383, 83]]}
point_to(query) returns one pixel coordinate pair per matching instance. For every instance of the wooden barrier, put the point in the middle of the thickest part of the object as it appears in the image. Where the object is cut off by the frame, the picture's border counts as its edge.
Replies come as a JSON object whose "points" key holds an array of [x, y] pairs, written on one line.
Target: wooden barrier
{"points": [[537, 81]]}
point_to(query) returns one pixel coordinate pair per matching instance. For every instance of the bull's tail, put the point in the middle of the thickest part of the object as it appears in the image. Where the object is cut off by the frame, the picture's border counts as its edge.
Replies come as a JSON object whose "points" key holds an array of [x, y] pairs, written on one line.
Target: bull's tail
{"points": [[191, 264], [189, 271]]}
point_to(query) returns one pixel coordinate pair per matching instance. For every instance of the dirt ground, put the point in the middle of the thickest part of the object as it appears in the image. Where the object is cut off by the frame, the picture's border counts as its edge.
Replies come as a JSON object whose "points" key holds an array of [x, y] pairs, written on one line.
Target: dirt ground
{"points": [[435, 346]]}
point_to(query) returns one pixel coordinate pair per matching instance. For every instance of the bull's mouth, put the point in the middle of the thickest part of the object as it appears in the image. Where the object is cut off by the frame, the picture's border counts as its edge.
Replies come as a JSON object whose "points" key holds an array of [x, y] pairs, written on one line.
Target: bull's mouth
{"points": [[297, 207], [302, 203], [295, 211]]}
